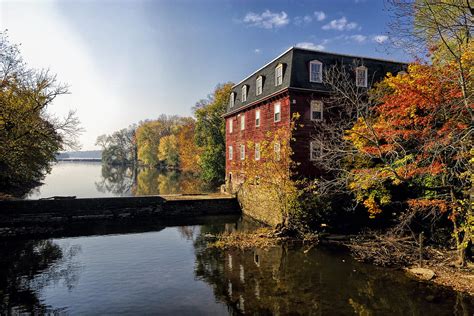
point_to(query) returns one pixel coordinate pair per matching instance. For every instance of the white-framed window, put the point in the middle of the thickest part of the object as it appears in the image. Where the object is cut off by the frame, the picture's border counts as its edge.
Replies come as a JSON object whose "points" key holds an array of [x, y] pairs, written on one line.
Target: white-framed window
{"points": [[316, 110], [279, 74], [232, 100], [244, 93], [242, 152], [242, 122], [276, 150], [315, 71], [231, 152], [257, 118], [257, 151], [361, 76], [231, 125], [277, 112], [259, 85], [315, 150]]}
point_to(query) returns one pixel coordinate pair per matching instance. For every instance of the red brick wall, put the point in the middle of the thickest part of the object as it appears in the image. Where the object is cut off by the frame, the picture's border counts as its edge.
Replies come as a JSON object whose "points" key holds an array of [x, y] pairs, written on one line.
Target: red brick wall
{"points": [[251, 132], [302, 135], [291, 103]]}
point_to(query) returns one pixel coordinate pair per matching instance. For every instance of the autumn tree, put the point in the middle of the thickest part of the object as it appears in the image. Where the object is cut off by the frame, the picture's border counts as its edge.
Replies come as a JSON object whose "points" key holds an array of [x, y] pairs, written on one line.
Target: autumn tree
{"points": [[440, 29], [419, 136], [30, 137], [149, 134], [210, 133], [188, 150], [168, 151]]}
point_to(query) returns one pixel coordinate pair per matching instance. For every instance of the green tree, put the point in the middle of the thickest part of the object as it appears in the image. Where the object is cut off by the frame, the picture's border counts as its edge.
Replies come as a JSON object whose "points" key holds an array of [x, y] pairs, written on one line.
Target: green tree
{"points": [[30, 137], [210, 133], [119, 148]]}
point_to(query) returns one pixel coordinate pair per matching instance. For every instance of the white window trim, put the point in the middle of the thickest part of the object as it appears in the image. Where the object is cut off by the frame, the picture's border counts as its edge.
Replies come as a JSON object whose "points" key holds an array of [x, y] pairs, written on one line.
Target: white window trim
{"points": [[257, 151], [358, 69], [231, 125], [259, 84], [275, 112], [242, 122], [316, 62], [244, 93], [278, 68], [231, 153], [232, 100], [277, 151], [257, 118], [311, 110], [312, 144], [242, 152]]}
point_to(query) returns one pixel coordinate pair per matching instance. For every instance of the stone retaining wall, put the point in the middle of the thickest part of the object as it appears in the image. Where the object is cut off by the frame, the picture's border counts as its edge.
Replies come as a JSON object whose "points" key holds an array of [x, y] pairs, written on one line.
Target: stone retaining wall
{"points": [[33, 217]]}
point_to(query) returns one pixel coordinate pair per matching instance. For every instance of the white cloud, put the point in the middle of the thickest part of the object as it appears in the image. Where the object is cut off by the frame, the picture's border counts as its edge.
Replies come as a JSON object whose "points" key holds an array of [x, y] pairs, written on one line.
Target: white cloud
{"points": [[309, 45], [358, 38], [300, 20], [380, 38], [267, 19], [320, 15], [340, 25], [257, 50]]}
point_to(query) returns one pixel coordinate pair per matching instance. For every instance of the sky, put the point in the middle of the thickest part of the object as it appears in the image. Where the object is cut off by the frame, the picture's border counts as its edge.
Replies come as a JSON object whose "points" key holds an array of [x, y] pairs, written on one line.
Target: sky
{"points": [[130, 60]]}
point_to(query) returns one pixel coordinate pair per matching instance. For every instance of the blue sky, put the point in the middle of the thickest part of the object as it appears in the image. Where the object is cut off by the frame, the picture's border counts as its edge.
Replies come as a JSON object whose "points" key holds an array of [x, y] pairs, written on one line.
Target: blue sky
{"points": [[127, 61]]}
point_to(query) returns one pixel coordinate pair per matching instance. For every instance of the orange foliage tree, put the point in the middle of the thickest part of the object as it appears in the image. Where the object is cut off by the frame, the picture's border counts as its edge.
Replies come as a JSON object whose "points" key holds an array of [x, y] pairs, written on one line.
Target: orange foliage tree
{"points": [[188, 150], [419, 136]]}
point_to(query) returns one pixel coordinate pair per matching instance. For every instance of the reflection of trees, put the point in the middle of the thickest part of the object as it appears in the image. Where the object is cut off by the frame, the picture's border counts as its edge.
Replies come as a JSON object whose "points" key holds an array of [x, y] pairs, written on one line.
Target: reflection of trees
{"points": [[27, 267], [284, 280], [155, 181], [116, 179], [125, 181]]}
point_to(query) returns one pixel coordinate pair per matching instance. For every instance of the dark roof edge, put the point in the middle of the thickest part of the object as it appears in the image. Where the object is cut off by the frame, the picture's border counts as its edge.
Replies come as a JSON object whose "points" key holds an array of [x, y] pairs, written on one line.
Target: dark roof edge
{"points": [[237, 110], [267, 64], [349, 55], [318, 51]]}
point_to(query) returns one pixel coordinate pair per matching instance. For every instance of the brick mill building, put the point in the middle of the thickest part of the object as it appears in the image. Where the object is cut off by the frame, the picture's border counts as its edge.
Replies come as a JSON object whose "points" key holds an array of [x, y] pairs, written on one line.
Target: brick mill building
{"points": [[291, 83]]}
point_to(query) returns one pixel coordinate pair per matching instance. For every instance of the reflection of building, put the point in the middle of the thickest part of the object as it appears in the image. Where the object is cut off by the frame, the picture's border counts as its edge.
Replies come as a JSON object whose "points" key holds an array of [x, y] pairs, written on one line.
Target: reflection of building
{"points": [[285, 280], [293, 82]]}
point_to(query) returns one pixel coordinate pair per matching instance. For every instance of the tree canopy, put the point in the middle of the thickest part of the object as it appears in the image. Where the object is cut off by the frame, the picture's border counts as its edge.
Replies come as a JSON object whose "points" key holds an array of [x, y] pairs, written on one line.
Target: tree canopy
{"points": [[30, 137]]}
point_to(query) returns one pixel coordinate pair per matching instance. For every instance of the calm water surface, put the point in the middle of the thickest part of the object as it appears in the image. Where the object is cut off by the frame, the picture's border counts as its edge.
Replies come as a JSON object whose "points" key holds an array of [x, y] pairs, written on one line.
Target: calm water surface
{"points": [[170, 271], [92, 179]]}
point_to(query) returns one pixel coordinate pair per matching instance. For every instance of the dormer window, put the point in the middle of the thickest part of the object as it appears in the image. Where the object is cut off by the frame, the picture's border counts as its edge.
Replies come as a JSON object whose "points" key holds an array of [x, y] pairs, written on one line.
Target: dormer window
{"points": [[279, 74], [259, 85], [315, 71], [361, 77], [244, 93], [232, 100]]}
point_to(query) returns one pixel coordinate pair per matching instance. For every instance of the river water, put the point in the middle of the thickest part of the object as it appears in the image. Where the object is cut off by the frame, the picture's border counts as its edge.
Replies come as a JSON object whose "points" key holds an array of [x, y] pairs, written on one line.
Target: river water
{"points": [[157, 270], [92, 179]]}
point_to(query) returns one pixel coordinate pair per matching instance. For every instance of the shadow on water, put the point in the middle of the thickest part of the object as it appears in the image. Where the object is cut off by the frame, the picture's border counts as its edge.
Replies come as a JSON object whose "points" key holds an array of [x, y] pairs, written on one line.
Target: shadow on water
{"points": [[26, 267]]}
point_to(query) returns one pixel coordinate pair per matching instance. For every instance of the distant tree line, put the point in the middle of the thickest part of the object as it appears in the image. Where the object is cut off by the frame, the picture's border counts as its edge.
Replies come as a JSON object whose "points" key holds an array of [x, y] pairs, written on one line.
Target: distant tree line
{"points": [[195, 145]]}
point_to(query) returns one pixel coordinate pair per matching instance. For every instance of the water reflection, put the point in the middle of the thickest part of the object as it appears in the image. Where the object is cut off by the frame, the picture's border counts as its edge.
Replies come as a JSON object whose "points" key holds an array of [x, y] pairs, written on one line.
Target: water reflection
{"points": [[92, 179], [126, 181], [27, 267], [285, 280], [171, 271]]}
